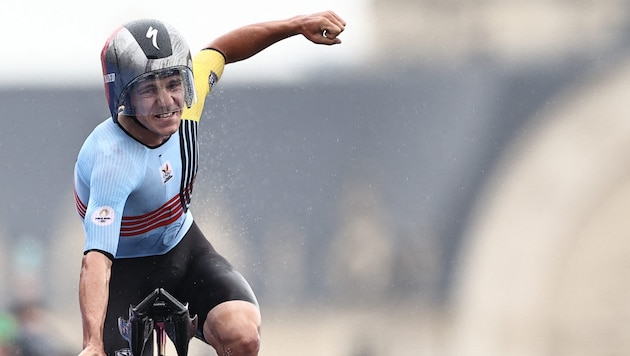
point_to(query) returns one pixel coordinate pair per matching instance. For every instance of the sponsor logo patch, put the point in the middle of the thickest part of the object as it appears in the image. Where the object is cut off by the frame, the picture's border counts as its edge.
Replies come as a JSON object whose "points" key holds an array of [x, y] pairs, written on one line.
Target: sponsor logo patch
{"points": [[213, 79], [103, 216], [109, 77]]}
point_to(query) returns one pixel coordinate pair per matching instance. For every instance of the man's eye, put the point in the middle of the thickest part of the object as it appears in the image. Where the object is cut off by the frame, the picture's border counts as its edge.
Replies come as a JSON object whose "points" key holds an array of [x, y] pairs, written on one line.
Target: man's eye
{"points": [[148, 91], [175, 85]]}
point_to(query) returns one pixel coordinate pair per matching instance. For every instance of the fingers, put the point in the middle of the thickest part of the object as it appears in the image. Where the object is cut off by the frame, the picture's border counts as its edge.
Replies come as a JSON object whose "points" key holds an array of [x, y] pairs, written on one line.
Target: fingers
{"points": [[335, 19], [330, 37], [332, 26], [324, 27]]}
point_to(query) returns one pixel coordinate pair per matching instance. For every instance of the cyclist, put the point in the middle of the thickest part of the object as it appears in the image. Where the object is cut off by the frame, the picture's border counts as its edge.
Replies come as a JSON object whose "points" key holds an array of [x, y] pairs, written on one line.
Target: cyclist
{"points": [[134, 179]]}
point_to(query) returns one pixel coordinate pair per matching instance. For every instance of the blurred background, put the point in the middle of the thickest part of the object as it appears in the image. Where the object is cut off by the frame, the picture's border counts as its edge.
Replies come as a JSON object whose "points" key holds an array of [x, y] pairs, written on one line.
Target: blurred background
{"points": [[451, 180]]}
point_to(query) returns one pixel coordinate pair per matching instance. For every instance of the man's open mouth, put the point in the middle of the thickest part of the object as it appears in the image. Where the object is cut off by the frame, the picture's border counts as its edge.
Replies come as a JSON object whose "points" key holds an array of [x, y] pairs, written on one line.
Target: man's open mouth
{"points": [[166, 115]]}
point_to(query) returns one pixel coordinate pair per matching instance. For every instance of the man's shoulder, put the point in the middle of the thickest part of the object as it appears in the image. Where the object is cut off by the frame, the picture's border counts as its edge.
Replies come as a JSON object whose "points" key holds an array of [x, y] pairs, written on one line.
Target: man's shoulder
{"points": [[110, 151], [207, 68], [106, 138], [105, 128]]}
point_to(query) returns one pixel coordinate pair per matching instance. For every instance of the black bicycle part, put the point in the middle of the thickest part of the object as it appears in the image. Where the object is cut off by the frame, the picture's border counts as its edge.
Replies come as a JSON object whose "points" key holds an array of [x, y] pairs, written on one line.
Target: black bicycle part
{"points": [[159, 311]]}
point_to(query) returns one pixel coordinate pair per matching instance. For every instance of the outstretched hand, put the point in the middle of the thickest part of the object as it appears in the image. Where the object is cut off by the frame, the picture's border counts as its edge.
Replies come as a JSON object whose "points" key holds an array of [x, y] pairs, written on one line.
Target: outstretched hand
{"points": [[323, 27]]}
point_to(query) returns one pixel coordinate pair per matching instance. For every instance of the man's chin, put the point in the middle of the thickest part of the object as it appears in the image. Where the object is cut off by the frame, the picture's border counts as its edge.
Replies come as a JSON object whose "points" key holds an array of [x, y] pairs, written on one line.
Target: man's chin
{"points": [[167, 131]]}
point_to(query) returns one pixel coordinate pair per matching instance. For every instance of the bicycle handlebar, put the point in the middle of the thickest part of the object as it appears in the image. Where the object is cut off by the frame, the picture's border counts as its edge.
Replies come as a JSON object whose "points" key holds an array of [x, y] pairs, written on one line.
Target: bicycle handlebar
{"points": [[162, 312]]}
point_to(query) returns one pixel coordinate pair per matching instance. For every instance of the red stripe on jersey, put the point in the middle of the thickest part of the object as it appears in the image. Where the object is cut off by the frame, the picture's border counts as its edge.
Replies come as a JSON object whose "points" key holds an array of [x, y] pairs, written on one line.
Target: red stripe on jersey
{"points": [[140, 224], [165, 215], [81, 208]]}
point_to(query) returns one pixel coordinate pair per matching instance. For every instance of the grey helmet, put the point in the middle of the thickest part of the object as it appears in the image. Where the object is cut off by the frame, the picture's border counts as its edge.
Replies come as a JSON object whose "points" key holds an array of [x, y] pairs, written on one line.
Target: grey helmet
{"points": [[139, 49]]}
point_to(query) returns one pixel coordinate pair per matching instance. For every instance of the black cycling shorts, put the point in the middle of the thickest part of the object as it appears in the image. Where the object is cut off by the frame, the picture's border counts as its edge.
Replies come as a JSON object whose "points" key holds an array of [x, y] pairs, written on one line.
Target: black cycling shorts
{"points": [[193, 272]]}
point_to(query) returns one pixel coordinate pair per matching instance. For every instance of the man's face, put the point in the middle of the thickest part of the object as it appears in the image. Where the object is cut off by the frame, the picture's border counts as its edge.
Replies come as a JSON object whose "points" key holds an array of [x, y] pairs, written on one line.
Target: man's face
{"points": [[158, 103]]}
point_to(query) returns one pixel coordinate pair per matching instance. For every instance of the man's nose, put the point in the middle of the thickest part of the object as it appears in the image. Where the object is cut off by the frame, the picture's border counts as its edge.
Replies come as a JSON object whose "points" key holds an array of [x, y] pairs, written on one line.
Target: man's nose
{"points": [[165, 97]]}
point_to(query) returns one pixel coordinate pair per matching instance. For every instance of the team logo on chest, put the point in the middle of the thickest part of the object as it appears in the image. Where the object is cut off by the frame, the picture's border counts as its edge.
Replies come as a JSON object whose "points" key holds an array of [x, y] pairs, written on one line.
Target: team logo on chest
{"points": [[166, 172]]}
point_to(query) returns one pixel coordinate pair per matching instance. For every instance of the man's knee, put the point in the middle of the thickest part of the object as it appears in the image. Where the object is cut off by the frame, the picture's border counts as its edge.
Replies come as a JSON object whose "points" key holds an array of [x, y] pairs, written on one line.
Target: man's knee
{"points": [[240, 338], [245, 343], [233, 328]]}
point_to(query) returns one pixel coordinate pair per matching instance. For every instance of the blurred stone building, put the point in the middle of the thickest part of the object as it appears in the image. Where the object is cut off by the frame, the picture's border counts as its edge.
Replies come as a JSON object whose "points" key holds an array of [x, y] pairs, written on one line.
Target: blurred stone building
{"points": [[545, 249]]}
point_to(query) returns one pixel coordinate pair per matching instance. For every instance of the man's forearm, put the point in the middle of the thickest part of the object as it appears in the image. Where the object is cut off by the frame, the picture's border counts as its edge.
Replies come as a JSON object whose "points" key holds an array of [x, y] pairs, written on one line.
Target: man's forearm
{"points": [[247, 41], [242, 43], [93, 296]]}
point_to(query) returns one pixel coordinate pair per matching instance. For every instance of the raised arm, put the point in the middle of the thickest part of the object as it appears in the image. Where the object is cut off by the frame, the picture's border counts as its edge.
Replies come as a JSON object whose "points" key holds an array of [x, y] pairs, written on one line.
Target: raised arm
{"points": [[320, 28]]}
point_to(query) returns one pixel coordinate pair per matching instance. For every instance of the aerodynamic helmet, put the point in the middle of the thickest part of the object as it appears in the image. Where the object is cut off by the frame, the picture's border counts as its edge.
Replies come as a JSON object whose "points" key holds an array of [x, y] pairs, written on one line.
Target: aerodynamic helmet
{"points": [[140, 51]]}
